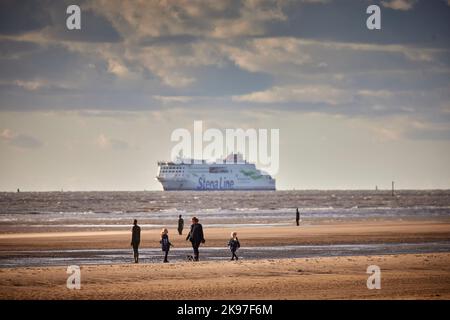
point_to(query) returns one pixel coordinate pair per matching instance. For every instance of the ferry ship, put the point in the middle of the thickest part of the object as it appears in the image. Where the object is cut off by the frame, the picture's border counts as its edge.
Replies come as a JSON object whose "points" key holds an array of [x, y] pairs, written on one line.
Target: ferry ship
{"points": [[231, 174]]}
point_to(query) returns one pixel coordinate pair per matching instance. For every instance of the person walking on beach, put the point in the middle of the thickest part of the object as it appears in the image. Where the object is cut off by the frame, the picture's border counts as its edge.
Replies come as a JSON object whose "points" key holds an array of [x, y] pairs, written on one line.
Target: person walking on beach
{"points": [[234, 245], [135, 240], [165, 243], [196, 236], [297, 217], [180, 225]]}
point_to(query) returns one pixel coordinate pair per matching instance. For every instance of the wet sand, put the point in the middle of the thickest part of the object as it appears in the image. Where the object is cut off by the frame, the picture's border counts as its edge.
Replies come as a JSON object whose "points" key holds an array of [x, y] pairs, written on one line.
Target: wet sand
{"points": [[340, 233], [410, 276]]}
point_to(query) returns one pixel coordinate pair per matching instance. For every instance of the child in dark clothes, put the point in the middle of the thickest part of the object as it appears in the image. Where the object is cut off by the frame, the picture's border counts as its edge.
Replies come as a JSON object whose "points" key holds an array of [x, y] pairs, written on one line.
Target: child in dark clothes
{"points": [[234, 245], [165, 243]]}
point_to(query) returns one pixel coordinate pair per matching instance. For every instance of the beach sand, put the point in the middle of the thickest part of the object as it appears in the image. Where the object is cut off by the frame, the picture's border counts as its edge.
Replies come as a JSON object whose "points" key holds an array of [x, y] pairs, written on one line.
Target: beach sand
{"points": [[409, 276], [339, 233], [404, 276]]}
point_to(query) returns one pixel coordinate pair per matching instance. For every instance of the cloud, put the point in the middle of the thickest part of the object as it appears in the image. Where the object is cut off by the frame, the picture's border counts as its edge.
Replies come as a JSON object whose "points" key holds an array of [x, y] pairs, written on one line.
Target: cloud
{"points": [[254, 15], [29, 85], [102, 141], [21, 141], [173, 63], [6, 135], [268, 54], [172, 99], [11, 49], [420, 130], [292, 56], [117, 68], [399, 4], [105, 142], [408, 128], [217, 19], [376, 93], [311, 94], [410, 52], [228, 54], [348, 101], [383, 133]]}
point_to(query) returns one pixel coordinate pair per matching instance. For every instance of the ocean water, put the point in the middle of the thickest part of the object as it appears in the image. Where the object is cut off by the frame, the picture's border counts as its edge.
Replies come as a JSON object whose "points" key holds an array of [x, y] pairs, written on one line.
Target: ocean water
{"points": [[44, 211]]}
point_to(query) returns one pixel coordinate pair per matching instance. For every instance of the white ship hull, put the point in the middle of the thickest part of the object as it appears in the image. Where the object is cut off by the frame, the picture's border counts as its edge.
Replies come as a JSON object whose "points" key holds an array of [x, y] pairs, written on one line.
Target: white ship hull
{"points": [[184, 184], [215, 176]]}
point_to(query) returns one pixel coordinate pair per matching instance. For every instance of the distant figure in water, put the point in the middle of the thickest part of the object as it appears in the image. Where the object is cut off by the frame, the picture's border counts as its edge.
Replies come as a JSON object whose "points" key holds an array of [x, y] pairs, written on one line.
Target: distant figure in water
{"points": [[165, 243], [135, 240], [196, 236], [297, 217], [234, 245], [180, 225], [18, 190]]}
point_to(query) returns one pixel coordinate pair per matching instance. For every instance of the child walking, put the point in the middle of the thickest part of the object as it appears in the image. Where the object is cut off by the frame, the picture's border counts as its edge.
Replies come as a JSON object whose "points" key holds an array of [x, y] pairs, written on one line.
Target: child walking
{"points": [[234, 245], [165, 243]]}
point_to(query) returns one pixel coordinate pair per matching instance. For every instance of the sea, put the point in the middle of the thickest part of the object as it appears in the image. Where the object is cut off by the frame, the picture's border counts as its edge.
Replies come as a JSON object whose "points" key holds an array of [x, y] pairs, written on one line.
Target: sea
{"points": [[75, 211]]}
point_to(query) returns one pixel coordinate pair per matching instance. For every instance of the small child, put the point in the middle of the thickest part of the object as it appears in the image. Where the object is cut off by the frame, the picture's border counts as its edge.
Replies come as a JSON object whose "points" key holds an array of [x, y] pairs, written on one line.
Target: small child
{"points": [[234, 245], [165, 243]]}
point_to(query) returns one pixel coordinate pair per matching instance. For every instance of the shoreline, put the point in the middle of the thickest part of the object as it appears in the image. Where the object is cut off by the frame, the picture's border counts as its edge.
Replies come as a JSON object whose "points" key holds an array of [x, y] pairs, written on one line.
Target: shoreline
{"points": [[313, 234], [49, 258]]}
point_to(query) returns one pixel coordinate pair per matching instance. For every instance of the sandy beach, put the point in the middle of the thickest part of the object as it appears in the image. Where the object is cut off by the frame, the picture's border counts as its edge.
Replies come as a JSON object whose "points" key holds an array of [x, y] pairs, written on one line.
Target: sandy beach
{"points": [[404, 276], [424, 276]]}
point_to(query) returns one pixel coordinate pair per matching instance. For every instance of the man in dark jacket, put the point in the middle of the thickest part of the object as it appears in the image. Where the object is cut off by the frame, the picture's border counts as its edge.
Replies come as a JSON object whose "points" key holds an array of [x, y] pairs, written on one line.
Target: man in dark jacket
{"points": [[297, 217], [135, 240], [196, 236], [180, 225]]}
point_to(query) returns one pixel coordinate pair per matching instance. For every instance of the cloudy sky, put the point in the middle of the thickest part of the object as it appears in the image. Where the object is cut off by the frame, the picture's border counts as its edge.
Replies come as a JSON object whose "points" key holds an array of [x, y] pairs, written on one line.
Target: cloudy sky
{"points": [[93, 109]]}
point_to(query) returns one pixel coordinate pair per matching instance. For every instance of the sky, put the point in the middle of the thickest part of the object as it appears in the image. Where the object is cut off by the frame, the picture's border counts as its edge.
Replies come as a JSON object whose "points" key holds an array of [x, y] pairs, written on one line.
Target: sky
{"points": [[94, 109]]}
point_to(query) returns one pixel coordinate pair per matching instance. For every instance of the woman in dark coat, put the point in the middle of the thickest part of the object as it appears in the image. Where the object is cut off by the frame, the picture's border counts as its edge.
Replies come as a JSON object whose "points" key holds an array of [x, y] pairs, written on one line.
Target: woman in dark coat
{"points": [[165, 243], [196, 237]]}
